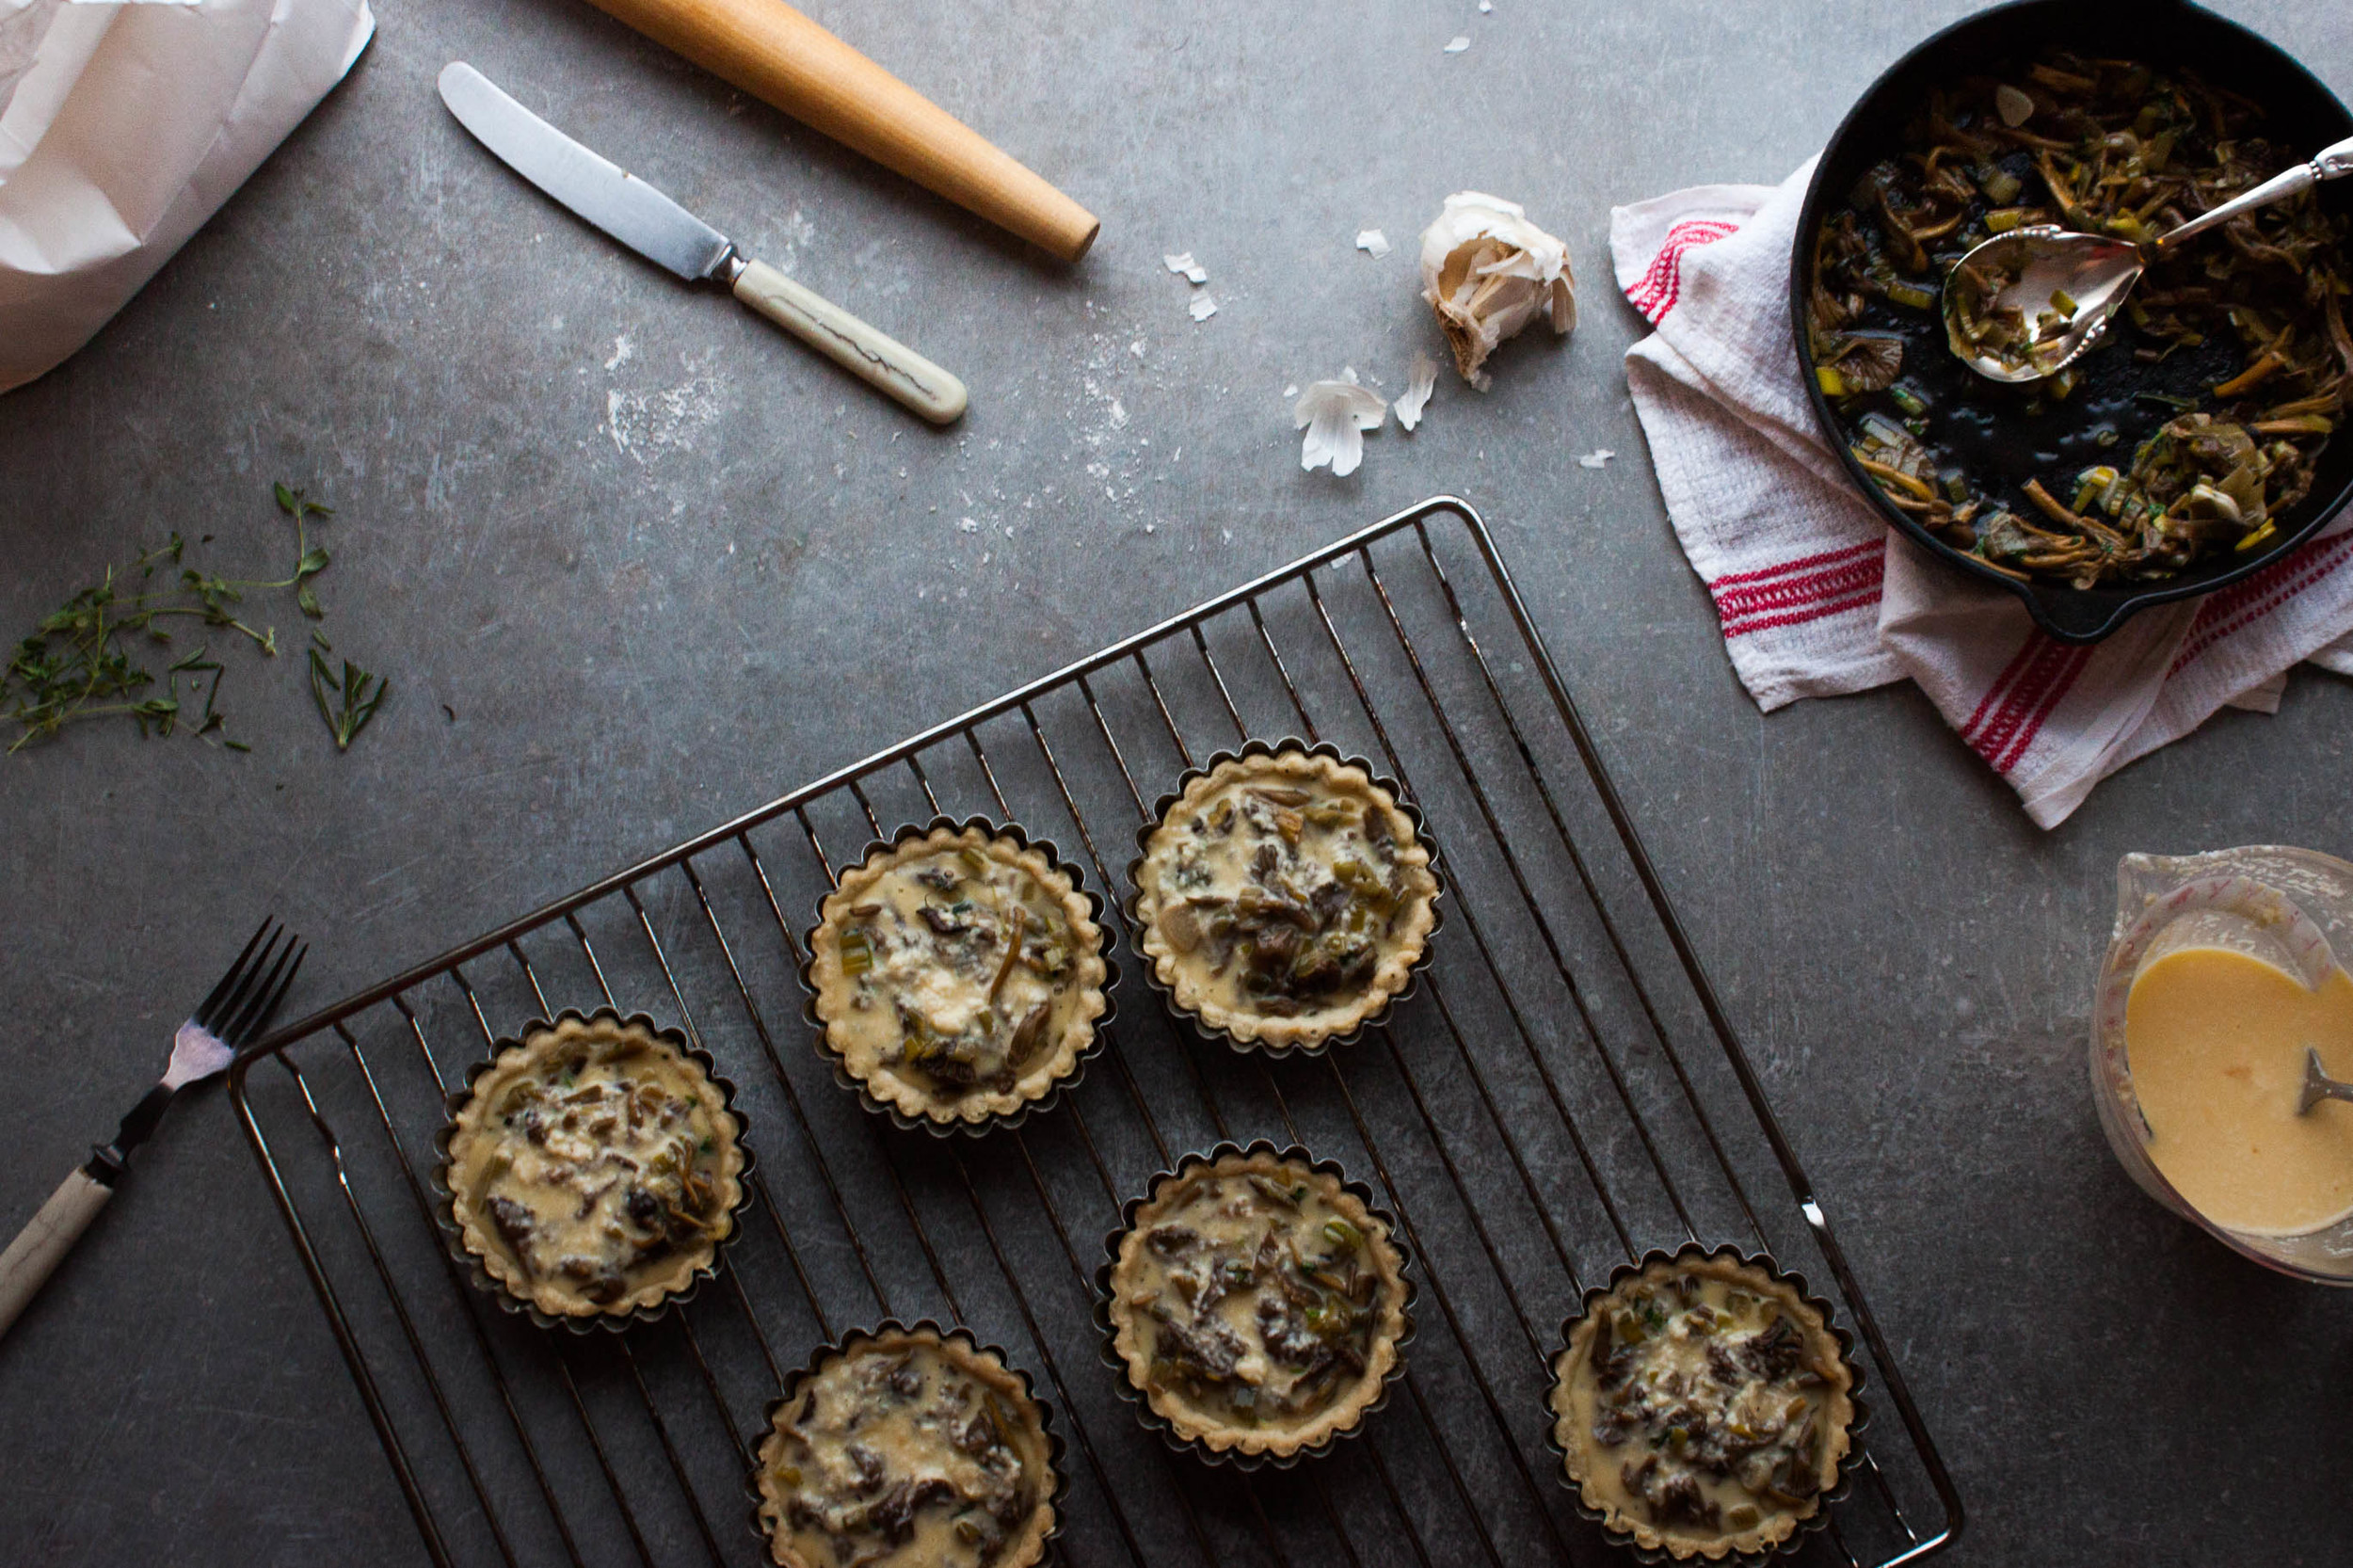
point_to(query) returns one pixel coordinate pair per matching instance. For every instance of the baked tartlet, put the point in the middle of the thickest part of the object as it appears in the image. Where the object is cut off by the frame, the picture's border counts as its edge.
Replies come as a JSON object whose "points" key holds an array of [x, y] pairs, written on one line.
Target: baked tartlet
{"points": [[1703, 1406], [593, 1167], [907, 1447], [957, 975], [1257, 1303], [1284, 897]]}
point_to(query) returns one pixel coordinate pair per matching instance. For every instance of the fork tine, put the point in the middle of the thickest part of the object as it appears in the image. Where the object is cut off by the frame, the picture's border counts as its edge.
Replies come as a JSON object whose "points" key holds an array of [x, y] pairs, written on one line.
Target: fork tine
{"points": [[250, 1023], [242, 992], [205, 1009]]}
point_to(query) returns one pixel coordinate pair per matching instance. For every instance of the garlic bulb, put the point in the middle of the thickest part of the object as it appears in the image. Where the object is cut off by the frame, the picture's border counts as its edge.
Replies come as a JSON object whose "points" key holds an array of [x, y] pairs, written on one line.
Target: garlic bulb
{"points": [[1335, 415], [1488, 272]]}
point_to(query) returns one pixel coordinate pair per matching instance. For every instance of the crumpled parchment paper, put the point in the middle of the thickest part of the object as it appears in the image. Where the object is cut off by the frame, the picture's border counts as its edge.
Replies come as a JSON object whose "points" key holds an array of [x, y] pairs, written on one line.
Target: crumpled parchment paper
{"points": [[123, 125]]}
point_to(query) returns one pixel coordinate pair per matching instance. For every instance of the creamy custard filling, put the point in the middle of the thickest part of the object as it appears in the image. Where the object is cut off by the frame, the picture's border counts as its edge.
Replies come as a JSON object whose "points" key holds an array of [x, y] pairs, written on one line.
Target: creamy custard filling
{"points": [[595, 1164], [902, 1453], [1705, 1409], [2216, 1040], [1253, 1299], [1279, 893], [960, 967]]}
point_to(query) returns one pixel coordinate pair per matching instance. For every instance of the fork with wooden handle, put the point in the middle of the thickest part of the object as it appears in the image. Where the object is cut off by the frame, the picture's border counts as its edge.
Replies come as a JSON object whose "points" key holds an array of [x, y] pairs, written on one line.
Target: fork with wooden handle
{"points": [[223, 1024]]}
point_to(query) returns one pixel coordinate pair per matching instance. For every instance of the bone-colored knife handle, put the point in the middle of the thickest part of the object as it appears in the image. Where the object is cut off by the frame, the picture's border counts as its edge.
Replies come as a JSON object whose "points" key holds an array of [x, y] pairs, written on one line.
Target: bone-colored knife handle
{"points": [[779, 55], [874, 357], [47, 1236]]}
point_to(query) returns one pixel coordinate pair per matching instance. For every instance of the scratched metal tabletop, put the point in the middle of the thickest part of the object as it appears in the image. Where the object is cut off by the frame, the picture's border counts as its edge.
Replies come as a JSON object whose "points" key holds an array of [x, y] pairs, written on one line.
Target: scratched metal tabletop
{"points": [[633, 563]]}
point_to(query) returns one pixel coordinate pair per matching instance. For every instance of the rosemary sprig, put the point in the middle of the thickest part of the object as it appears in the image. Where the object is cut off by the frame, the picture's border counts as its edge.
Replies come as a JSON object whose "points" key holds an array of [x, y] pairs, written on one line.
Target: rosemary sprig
{"points": [[82, 661], [355, 696]]}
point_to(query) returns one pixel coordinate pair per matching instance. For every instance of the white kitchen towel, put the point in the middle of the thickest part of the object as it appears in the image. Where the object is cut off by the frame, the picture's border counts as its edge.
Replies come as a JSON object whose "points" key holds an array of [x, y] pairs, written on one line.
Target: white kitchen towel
{"points": [[124, 124], [1817, 596]]}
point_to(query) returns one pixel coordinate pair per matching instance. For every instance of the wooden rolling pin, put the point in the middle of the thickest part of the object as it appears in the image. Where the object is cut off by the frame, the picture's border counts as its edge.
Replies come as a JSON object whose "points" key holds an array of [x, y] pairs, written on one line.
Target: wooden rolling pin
{"points": [[782, 58]]}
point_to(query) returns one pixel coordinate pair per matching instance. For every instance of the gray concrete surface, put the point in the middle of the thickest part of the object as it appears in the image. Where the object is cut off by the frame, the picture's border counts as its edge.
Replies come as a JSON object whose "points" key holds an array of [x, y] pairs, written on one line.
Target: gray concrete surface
{"points": [[635, 563]]}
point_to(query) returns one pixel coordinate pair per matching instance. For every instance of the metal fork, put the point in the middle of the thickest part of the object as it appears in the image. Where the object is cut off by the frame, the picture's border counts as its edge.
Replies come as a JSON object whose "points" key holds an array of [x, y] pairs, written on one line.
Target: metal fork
{"points": [[224, 1023]]}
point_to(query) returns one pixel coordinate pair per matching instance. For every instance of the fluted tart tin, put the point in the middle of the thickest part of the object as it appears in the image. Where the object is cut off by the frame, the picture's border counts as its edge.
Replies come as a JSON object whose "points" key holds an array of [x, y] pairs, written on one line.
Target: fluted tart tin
{"points": [[1353, 934], [1307, 1310], [586, 1122], [961, 945], [771, 1513], [1757, 1276]]}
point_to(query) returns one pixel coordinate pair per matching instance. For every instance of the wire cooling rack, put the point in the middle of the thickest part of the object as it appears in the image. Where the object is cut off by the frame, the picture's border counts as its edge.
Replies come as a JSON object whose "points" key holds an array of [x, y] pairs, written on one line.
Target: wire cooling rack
{"points": [[1562, 1095]]}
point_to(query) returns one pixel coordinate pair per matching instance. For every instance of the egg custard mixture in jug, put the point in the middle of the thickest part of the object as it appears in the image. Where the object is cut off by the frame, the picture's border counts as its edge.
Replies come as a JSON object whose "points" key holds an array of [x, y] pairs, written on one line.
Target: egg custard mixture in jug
{"points": [[2216, 1040]]}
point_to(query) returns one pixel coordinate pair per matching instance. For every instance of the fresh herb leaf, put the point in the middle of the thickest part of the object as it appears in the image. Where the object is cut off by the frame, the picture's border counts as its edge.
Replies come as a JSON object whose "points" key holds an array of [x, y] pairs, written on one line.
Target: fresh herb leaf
{"points": [[348, 702]]}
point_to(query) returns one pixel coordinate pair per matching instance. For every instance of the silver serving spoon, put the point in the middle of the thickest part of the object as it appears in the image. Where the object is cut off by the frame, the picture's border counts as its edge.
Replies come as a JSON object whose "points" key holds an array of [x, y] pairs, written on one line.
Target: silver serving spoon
{"points": [[2318, 1085], [2090, 274]]}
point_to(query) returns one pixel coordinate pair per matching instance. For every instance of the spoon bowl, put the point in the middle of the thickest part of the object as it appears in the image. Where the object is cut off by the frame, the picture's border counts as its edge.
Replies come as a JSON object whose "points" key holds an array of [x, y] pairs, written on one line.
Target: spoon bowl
{"points": [[2060, 289], [2028, 304]]}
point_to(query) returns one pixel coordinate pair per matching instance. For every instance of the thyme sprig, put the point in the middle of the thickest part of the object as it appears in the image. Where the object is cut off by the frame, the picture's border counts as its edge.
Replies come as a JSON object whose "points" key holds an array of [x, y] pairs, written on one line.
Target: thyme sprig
{"points": [[347, 701], [84, 660]]}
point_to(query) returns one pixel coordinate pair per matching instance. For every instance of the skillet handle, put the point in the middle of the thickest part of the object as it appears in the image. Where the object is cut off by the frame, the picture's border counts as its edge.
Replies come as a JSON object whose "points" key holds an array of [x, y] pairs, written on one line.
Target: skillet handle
{"points": [[2072, 618]]}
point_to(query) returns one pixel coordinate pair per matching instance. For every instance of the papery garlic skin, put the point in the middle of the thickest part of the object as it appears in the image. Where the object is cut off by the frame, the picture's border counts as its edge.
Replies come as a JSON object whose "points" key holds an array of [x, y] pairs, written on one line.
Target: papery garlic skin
{"points": [[1335, 415], [1488, 272], [1419, 384]]}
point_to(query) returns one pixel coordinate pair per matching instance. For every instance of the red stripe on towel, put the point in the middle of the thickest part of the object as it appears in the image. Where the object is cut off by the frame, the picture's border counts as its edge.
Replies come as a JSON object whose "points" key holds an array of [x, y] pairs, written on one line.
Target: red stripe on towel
{"points": [[1803, 563], [1662, 284], [2234, 609], [2023, 700], [1759, 602]]}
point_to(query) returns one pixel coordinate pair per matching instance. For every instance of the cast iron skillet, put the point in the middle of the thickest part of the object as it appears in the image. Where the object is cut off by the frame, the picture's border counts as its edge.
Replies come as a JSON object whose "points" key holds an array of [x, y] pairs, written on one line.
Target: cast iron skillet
{"points": [[2304, 117]]}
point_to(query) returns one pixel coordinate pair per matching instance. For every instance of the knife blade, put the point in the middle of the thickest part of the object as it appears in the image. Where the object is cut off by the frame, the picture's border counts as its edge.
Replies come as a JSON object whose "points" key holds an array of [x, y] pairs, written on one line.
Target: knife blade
{"points": [[665, 234]]}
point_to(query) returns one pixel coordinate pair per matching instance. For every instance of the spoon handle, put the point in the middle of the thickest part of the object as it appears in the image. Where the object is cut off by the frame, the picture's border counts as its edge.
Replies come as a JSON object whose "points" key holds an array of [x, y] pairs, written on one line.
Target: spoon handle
{"points": [[2333, 161], [2318, 1085]]}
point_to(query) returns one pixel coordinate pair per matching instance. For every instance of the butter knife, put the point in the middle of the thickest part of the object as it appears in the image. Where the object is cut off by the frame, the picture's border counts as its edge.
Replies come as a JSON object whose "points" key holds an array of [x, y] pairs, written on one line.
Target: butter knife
{"points": [[669, 235]]}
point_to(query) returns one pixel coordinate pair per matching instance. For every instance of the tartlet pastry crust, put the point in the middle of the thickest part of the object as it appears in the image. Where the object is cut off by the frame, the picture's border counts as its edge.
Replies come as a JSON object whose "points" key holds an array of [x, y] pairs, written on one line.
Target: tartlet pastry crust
{"points": [[961, 1473], [594, 1134], [869, 1002], [1136, 1332], [1740, 1364], [1197, 864]]}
